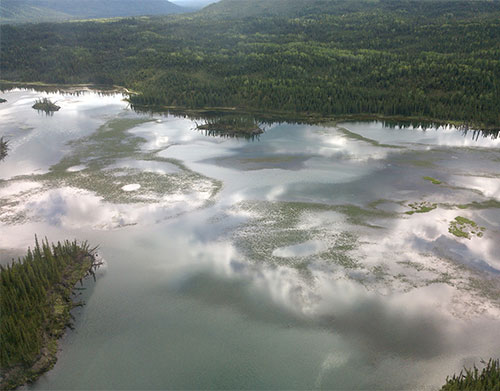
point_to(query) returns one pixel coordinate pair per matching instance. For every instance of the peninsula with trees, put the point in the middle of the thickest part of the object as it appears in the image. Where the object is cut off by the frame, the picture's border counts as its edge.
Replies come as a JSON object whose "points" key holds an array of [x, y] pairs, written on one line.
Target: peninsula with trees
{"points": [[35, 303]]}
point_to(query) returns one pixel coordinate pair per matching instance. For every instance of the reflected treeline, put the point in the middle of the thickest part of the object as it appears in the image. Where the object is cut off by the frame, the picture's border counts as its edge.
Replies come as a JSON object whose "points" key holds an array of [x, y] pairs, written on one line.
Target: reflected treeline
{"points": [[465, 129], [4, 148], [491, 133], [245, 126], [227, 124], [66, 90]]}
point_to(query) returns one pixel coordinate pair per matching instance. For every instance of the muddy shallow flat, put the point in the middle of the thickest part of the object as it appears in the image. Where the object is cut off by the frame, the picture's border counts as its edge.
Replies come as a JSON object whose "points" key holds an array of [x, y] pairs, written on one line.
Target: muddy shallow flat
{"points": [[349, 257]]}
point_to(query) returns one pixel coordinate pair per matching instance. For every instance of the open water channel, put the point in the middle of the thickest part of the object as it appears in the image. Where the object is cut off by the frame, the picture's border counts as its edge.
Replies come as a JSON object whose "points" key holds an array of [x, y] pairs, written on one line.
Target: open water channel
{"points": [[313, 256]]}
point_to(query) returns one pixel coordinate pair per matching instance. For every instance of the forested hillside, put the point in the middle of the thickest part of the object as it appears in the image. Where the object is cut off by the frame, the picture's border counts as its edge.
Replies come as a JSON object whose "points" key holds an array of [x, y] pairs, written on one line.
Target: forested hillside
{"points": [[33, 11], [432, 59]]}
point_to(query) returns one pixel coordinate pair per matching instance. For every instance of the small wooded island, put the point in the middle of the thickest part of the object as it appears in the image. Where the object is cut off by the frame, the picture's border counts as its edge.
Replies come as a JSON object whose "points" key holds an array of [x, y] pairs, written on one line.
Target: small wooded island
{"points": [[46, 105], [231, 127], [35, 303]]}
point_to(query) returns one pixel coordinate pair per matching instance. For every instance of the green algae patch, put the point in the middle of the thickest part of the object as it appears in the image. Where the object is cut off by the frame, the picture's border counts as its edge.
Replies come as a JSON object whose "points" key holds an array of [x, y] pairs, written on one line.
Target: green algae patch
{"points": [[434, 181], [421, 207], [462, 227]]}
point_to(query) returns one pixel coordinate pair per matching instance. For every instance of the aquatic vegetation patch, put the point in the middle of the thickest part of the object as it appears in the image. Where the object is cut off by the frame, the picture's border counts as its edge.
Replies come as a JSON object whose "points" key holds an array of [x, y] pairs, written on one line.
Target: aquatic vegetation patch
{"points": [[434, 181], [442, 278], [485, 288], [462, 227], [421, 207], [14, 195], [278, 233], [489, 204], [95, 154], [413, 265], [380, 272], [361, 216]]}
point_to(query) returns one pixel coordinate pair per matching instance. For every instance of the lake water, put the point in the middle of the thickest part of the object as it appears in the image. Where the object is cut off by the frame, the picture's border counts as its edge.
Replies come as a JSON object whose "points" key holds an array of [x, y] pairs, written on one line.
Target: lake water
{"points": [[314, 256]]}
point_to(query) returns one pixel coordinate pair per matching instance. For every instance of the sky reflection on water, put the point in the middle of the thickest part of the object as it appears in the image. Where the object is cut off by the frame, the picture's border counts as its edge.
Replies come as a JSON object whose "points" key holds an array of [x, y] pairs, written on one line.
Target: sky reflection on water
{"points": [[302, 269]]}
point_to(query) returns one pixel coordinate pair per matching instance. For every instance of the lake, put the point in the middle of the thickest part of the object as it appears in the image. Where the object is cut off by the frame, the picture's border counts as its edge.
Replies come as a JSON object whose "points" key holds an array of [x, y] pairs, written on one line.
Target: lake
{"points": [[336, 256]]}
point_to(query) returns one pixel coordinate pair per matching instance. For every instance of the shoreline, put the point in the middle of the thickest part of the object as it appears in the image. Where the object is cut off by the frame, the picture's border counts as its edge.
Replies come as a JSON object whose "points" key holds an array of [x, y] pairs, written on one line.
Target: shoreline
{"points": [[6, 85], [61, 303], [272, 115]]}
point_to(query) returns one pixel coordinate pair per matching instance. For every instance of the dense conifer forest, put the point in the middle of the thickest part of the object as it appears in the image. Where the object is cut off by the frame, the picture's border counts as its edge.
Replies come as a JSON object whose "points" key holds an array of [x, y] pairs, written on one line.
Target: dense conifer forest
{"points": [[426, 59], [35, 299], [487, 379]]}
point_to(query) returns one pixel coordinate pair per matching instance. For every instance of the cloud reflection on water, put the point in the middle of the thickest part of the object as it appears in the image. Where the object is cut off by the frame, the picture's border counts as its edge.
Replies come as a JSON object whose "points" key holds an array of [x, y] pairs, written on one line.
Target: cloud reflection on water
{"points": [[409, 326], [75, 208]]}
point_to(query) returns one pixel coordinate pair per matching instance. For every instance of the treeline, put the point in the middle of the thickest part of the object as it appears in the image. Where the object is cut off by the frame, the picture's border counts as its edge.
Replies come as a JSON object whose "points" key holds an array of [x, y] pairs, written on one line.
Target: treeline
{"points": [[488, 379], [33, 294], [436, 60]]}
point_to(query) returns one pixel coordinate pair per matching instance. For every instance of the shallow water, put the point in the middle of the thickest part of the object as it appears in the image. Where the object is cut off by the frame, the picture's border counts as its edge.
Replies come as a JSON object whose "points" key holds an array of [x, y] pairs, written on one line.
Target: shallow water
{"points": [[310, 257]]}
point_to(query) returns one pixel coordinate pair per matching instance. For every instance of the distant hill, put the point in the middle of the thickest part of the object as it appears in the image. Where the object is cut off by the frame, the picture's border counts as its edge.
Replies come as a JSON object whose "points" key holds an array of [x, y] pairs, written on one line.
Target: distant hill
{"points": [[236, 9], [193, 4], [285, 8], [33, 11], [431, 60]]}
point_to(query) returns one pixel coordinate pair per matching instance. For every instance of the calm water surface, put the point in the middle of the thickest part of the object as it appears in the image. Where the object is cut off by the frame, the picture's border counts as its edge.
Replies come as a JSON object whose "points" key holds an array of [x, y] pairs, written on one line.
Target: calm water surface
{"points": [[311, 257]]}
